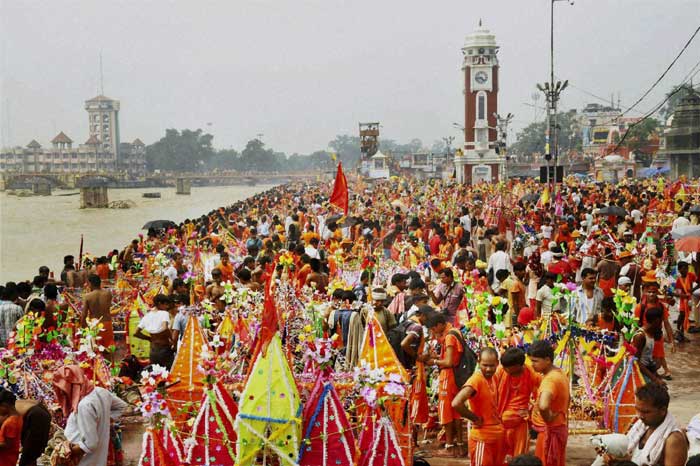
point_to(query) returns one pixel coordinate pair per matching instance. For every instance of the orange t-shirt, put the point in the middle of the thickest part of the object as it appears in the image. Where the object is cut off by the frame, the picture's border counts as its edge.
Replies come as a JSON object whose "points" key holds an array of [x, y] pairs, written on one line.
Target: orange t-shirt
{"points": [[226, 272], [102, 271], [515, 393], [556, 383], [484, 403], [11, 436]]}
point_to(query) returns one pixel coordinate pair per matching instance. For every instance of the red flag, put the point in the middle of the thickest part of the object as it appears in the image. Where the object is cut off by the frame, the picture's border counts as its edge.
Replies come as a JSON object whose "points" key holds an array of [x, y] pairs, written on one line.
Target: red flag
{"points": [[340, 197], [269, 323]]}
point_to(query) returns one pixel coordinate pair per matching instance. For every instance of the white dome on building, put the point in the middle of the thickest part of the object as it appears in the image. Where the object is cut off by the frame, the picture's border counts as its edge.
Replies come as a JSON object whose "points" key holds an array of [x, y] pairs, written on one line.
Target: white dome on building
{"points": [[482, 37]]}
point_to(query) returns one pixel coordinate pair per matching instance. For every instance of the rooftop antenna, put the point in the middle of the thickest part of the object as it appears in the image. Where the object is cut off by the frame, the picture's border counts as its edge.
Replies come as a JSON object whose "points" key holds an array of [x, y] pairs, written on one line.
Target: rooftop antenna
{"points": [[102, 83]]}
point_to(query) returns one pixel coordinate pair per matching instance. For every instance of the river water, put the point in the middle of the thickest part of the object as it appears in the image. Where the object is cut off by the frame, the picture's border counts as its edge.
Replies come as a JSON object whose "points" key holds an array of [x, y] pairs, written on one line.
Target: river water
{"points": [[40, 230]]}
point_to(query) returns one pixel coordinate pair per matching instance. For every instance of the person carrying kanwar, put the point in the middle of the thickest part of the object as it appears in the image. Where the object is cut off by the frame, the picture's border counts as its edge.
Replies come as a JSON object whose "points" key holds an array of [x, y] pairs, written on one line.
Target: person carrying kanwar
{"points": [[517, 387], [157, 323], [478, 402], [649, 300], [686, 285], [552, 405], [89, 410], [450, 354]]}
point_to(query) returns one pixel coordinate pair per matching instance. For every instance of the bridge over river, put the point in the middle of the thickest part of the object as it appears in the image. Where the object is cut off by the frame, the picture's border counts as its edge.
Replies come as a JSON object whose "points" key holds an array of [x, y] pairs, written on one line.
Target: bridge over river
{"points": [[28, 180]]}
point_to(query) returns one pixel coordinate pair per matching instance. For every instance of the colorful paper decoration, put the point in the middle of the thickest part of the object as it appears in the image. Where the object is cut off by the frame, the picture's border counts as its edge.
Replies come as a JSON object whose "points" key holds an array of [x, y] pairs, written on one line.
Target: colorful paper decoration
{"points": [[189, 356], [621, 410], [377, 351], [138, 347], [226, 331], [378, 444], [189, 390], [213, 434], [154, 453], [269, 410], [172, 441], [327, 432]]}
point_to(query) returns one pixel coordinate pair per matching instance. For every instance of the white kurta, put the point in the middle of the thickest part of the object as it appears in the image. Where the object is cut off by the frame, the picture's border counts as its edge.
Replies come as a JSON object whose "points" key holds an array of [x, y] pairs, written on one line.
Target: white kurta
{"points": [[88, 427]]}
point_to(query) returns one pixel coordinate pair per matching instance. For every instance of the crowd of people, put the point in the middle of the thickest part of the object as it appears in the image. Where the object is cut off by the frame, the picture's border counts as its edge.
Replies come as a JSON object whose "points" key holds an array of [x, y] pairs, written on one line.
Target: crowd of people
{"points": [[413, 255]]}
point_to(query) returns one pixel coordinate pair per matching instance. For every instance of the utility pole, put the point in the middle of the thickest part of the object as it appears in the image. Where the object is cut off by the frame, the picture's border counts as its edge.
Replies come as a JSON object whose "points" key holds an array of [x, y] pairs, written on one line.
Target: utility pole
{"points": [[552, 92], [502, 128]]}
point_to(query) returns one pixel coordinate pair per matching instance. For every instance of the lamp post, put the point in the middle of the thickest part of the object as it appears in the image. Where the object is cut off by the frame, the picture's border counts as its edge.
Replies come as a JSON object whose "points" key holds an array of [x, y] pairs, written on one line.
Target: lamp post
{"points": [[552, 92], [502, 149]]}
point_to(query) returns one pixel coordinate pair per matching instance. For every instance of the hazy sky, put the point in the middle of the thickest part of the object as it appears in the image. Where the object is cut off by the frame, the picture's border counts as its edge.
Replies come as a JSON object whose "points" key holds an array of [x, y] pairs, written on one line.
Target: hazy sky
{"points": [[301, 72]]}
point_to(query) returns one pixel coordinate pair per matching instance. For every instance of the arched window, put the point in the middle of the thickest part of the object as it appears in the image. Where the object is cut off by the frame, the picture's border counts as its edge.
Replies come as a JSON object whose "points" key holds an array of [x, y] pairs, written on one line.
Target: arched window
{"points": [[481, 106]]}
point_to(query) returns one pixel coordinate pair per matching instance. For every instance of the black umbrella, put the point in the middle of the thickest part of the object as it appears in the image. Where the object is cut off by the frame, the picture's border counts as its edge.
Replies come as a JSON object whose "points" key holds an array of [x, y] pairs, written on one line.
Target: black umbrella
{"points": [[159, 225], [333, 219], [531, 197], [613, 210]]}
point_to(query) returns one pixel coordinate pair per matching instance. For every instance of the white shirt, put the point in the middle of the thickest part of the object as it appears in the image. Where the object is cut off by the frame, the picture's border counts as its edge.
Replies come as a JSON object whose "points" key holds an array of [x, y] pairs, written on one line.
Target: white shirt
{"points": [[466, 222], [680, 222], [546, 297], [264, 229], [312, 252], [546, 258], [155, 322], [88, 426], [547, 231], [499, 260], [171, 273]]}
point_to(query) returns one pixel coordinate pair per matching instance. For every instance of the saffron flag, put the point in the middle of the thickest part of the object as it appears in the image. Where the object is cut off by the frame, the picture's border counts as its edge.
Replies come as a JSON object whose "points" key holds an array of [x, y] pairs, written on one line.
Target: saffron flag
{"points": [[340, 197], [545, 197]]}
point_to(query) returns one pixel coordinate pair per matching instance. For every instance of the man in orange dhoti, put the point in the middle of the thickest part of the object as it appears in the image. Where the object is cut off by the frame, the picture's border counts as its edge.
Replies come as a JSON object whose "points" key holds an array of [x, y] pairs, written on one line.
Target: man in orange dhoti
{"points": [[552, 404], [517, 384], [481, 392]]}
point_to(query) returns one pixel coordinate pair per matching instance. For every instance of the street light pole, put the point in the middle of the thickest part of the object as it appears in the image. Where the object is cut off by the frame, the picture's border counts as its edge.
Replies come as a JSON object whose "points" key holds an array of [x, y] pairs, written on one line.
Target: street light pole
{"points": [[552, 92]]}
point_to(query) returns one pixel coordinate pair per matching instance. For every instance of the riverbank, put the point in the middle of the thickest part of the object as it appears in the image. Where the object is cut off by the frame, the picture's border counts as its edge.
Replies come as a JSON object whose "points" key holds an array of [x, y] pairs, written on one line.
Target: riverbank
{"points": [[40, 230]]}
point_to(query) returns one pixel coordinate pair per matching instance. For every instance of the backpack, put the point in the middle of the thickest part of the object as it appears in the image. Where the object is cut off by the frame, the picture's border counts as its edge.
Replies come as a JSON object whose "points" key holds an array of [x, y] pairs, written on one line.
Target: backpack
{"points": [[467, 362], [395, 336]]}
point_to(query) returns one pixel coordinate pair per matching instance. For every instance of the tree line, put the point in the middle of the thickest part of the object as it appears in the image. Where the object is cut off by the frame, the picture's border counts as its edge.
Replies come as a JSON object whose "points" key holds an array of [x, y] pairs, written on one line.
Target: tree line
{"points": [[193, 151]]}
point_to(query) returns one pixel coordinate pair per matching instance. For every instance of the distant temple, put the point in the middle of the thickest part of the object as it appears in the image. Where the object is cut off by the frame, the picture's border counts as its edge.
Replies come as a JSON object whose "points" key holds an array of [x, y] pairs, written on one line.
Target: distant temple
{"points": [[682, 137], [101, 152]]}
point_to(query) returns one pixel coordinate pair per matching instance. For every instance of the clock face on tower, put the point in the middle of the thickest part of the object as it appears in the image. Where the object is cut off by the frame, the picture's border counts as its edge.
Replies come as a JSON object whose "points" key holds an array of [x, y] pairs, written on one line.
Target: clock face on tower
{"points": [[481, 77]]}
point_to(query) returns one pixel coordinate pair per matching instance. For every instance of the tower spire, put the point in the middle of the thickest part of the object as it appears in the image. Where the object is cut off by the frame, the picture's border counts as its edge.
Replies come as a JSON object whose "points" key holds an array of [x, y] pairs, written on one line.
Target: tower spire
{"points": [[479, 22]]}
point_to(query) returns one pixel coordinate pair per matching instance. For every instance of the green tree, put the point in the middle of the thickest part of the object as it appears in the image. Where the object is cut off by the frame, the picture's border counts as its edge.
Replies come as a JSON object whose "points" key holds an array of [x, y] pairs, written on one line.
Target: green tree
{"points": [[226, 159], [639, 137], [186, 150], [675, 95], [532, 138], [348, 148], [255, 157]]}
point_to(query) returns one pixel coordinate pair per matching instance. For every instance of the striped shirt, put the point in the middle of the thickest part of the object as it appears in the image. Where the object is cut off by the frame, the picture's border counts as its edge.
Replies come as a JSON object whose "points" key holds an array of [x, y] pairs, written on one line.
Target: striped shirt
{"points": [[10, 313]]}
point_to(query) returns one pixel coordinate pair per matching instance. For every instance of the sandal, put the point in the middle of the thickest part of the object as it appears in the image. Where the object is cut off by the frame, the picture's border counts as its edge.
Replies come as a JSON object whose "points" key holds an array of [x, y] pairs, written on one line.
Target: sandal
{"points": [[667, 377], [447, 452]]}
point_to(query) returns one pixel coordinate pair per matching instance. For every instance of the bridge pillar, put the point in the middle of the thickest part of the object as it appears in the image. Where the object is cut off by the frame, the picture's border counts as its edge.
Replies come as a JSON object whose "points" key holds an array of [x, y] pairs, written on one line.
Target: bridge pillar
{"points": [[183, 186], [42, 189], [94, 198]]}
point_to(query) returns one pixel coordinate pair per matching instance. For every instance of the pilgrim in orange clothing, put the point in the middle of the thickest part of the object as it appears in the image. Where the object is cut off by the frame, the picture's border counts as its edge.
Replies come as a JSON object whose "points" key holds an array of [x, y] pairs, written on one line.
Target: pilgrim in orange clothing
{"points": [[478, 402], [684, 291], [517, 385], [226, 268], [450, 354], [553, 405]]}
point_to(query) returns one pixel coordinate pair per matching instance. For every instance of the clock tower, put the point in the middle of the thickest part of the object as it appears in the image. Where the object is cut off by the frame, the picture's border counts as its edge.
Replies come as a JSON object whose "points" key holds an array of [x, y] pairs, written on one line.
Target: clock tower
{"points": [[479, 161]]}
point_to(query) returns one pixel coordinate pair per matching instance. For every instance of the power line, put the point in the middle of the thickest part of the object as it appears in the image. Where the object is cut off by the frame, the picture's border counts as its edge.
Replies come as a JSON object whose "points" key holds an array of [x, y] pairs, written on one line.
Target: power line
{"points": [[665, 72], [652, 111]]}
